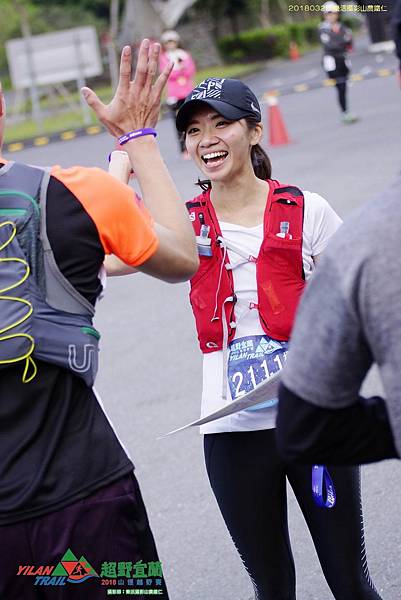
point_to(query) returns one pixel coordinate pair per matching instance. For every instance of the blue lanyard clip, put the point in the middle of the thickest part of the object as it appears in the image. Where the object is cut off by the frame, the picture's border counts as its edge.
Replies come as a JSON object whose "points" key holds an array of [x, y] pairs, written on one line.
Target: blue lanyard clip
{"points": [[322, 485]]}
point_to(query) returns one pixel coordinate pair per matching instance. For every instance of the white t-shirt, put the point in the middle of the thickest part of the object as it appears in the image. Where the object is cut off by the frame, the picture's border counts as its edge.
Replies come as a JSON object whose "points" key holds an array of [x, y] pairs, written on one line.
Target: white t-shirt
{"points": [[320, 222]]}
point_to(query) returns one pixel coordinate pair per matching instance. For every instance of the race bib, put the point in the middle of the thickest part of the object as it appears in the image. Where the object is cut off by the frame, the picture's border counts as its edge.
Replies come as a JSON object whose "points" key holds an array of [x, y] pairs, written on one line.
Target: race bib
{"points": [[251, 360]]}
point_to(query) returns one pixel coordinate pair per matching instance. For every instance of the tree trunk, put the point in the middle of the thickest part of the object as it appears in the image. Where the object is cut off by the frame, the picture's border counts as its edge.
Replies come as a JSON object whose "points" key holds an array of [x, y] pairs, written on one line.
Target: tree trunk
{"points": [[24, 21], [234, 21], [264, 15], [287, 17], [33, 90], [140, 20]]}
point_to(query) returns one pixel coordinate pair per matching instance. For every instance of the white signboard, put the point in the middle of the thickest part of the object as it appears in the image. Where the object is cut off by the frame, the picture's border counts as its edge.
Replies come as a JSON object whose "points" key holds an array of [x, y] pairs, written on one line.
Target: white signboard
{"points": [[51, 58]]}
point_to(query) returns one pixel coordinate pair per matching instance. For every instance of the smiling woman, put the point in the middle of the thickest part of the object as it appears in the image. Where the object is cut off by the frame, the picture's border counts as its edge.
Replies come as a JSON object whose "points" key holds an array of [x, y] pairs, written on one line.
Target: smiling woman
{"points": [[238, 139], [258, 241]]}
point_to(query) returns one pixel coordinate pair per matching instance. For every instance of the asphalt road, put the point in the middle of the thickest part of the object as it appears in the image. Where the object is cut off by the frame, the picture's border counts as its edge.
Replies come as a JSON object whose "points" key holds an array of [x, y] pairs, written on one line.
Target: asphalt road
{"points": [[150, 378]]}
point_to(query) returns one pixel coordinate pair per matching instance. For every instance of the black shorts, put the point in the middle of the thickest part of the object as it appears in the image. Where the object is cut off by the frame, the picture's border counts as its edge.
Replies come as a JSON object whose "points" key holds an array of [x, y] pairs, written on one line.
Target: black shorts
{"points": [[341, 70], [104, 530]]}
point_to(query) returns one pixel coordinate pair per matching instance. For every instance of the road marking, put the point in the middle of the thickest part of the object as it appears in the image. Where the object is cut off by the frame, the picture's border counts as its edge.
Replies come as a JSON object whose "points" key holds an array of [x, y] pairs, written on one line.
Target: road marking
{"points": [[41, 141], [93, 130], [301, 87], [15, 147], [270, 93], [68, 135], [55, 137], [365, 73]]}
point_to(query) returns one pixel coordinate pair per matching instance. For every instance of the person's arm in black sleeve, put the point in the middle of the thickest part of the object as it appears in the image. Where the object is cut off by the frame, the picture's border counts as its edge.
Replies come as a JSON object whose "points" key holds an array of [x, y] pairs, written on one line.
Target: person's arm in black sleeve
{"points": [[321, 416], [356, 434]]}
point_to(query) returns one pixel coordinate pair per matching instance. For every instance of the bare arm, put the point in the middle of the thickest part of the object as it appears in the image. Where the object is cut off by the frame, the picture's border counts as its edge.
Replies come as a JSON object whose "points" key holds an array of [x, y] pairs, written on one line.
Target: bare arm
{"points": [[115, 266], [136, 105]]}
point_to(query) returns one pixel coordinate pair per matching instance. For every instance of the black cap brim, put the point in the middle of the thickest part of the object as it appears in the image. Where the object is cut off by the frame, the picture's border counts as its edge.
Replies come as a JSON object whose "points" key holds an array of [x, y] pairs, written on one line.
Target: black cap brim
{"points": [[225, 110]]}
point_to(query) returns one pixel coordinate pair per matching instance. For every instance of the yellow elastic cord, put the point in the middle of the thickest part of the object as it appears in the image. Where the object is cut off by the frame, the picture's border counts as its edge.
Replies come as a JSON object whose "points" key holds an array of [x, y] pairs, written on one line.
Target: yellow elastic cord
{"points": [[29, 362]]}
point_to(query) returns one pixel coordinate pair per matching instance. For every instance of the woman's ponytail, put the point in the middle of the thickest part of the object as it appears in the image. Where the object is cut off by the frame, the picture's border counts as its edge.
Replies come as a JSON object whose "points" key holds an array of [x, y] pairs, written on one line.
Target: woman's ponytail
{"points": [[262, 166]]}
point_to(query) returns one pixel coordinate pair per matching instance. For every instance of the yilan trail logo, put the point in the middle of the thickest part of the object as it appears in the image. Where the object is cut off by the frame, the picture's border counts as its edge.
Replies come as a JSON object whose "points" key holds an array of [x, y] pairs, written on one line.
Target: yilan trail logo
{"points": [[70, 569]]}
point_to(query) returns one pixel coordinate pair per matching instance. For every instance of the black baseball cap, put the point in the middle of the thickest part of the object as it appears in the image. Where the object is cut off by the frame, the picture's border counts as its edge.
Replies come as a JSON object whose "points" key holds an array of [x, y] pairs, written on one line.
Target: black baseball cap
{"points": [[229, 97]]}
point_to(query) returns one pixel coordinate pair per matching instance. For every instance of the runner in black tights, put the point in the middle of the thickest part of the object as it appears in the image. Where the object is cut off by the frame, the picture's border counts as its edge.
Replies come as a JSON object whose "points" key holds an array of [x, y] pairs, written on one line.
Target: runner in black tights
{"points": [[336, 42], [249, 481], [246, 226]]}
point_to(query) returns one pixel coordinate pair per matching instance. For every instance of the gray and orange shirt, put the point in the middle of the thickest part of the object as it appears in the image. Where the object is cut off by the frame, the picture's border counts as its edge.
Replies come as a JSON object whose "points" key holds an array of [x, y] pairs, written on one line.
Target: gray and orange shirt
{"points": [[51, 427]]}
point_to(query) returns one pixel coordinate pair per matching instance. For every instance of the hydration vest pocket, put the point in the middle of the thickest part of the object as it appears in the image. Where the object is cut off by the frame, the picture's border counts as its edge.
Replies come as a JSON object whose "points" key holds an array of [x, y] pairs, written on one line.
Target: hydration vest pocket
{"points": [[41, 314], [206, 263], [74, 345], [280, 283], [207, 301], [16, 341], [200, 296]]}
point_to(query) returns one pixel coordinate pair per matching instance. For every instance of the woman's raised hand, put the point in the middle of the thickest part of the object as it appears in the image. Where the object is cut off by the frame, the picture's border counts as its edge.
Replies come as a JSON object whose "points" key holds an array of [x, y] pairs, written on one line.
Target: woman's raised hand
{"points": [[136, 103]]}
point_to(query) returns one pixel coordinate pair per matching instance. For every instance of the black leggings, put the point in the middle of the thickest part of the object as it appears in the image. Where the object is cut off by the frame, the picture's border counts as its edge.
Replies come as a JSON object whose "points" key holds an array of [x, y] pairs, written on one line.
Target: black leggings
{"points": [[342, 94], [340, 74], [248, 479]]}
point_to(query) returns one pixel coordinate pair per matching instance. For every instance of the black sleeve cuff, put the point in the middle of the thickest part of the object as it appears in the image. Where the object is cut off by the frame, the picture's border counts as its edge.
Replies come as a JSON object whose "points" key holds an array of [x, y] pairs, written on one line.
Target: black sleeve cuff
{"points": [[357, 434]]}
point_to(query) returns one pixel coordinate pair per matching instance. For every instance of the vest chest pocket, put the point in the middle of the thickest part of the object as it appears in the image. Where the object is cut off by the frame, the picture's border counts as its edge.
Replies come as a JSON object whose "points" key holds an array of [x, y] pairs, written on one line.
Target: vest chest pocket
{"points": [[280, 284], [283, 256]]}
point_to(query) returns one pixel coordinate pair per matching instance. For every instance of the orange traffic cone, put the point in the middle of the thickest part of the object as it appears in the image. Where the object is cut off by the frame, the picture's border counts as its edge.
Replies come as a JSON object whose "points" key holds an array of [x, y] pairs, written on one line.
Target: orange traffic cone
{"points": [[277, 130], [293, 51]]}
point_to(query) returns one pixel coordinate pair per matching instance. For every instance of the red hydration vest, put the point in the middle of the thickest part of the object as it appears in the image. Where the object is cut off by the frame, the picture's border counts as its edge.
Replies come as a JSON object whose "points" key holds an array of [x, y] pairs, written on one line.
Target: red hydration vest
{"points": [[279, 270]]}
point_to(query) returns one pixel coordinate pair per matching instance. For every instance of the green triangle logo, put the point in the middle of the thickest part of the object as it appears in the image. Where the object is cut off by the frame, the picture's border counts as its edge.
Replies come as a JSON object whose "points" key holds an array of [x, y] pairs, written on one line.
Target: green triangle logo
{"points": [[59, 571], [69, 556]]}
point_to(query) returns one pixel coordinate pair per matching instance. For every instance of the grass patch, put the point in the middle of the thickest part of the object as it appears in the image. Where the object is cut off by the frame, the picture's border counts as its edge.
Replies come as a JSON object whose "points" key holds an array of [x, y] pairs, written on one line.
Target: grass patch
{"points": [[235, 71], [28, 128]]}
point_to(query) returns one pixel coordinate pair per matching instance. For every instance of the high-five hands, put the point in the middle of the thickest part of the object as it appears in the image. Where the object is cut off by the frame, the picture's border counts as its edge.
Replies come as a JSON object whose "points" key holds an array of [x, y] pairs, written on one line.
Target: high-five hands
{"points": [[136, 103]]}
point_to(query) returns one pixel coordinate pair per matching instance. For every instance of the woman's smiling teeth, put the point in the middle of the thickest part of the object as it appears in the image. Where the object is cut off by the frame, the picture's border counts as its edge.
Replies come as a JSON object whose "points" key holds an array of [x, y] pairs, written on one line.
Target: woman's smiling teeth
{"points": [[212, 158]]}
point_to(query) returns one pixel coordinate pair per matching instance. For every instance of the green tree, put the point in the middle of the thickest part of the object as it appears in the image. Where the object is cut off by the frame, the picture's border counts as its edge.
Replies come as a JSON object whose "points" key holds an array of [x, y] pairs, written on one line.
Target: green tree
{"points": [[99, 8]]}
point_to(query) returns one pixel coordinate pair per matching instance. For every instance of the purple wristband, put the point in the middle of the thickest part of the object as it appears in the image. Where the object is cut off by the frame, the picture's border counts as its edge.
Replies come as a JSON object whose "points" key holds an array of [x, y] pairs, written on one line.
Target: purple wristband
{"points": [[132, 135]]}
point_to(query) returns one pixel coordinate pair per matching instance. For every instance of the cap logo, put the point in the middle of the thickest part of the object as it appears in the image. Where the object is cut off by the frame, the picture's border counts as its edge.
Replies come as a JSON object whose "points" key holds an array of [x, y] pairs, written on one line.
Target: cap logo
{"points": [[254, 108], [210, 88]]}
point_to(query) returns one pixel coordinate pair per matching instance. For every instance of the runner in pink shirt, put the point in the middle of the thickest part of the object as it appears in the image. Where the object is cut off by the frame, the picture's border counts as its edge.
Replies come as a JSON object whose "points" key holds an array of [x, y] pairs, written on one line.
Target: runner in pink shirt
{"points": [[180, 82]]}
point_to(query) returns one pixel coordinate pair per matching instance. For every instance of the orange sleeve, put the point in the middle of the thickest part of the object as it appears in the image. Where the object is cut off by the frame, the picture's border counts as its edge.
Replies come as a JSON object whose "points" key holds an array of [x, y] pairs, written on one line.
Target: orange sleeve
{"points": [[124, 225]]}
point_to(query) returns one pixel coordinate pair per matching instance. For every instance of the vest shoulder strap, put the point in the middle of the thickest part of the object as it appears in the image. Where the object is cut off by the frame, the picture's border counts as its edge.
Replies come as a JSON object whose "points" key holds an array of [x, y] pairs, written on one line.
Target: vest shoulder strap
{"points": [[285, 208], [58, 292], [196, 202], [283, 198]]}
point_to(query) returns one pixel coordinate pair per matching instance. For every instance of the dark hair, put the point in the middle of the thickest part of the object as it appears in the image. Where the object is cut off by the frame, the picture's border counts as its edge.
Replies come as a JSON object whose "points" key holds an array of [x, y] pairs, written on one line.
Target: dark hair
{"points": [[261, 163], [262, 166]]}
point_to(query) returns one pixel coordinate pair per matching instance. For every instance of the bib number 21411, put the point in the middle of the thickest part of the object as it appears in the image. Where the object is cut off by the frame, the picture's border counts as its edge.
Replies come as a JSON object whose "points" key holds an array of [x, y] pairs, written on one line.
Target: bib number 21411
{"points": [[254, 359]]}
